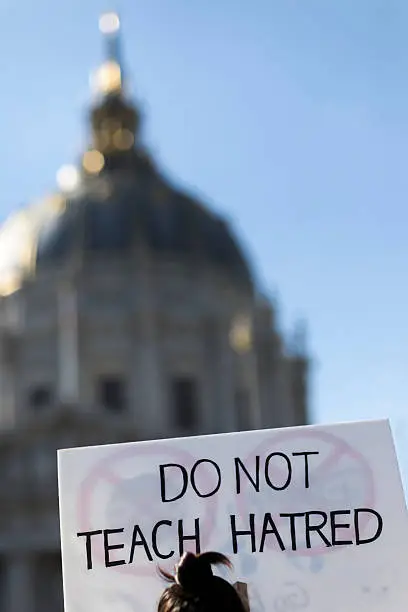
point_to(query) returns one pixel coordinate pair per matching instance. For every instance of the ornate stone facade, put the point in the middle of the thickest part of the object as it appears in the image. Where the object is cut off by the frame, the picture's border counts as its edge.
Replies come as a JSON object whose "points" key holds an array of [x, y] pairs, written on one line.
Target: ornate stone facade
{"points": [[128, 311]]}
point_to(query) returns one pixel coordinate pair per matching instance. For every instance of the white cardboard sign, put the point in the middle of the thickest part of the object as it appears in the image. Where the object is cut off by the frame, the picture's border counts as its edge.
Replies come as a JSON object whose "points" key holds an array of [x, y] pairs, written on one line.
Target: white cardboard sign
{"points": [[313, 518]]}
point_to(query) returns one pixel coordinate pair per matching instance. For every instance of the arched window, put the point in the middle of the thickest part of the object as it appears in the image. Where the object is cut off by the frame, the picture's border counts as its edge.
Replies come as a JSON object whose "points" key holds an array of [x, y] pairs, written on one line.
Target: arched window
{"points": [[184, 402], [40, 396], [111, 393]]}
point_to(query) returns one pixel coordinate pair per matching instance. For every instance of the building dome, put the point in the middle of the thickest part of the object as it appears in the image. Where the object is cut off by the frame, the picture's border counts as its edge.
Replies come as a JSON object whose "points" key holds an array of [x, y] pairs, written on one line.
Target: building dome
{"points": [[120, 213], [116, 203]]}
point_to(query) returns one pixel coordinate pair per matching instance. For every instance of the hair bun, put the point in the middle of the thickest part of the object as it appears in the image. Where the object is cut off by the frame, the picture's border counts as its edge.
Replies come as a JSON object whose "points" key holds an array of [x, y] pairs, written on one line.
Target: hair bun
{"points": [[194, 572]]}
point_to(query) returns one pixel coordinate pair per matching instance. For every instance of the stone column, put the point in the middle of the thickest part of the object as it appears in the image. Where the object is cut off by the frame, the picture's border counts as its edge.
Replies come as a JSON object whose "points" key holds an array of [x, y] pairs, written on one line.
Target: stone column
{"points": [[282, 416], [210, 416], [146, 357], [20, 584], [225, 379], [68, 358], [254, 386], [7, 380], [6, 412], [148, 363]]}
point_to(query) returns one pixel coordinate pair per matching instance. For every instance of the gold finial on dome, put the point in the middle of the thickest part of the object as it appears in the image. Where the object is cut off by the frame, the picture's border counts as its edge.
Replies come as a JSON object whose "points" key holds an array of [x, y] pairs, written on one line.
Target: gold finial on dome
{"points": [[109, 77], [114, 119]]}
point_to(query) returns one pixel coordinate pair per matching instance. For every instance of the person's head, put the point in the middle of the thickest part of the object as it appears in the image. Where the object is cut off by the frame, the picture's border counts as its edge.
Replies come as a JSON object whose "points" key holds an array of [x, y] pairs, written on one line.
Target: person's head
{"points": [[194, 588]]}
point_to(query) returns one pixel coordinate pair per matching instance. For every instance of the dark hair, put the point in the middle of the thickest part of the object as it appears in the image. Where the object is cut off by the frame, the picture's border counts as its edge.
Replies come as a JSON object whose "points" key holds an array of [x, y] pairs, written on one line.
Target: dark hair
{"points": [[194, 588]]}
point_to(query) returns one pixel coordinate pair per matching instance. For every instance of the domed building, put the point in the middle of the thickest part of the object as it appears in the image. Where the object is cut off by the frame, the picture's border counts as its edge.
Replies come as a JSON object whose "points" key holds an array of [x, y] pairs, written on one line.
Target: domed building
{"points": [[128, 311]]}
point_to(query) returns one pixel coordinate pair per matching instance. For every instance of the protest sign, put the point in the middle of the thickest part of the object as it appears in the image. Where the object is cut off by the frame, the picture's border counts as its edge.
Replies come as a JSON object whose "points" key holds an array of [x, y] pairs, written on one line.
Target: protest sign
{"points": [[311, 518]]}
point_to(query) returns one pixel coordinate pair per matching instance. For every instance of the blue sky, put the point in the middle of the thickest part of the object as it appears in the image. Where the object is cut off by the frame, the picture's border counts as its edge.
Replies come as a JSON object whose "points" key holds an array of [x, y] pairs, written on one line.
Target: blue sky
{"points": [[291, 117]]}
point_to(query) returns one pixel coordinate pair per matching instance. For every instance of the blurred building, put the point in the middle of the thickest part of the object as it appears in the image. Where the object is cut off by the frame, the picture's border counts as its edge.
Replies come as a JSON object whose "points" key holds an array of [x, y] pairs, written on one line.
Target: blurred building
{"points": [[128, 311]]}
